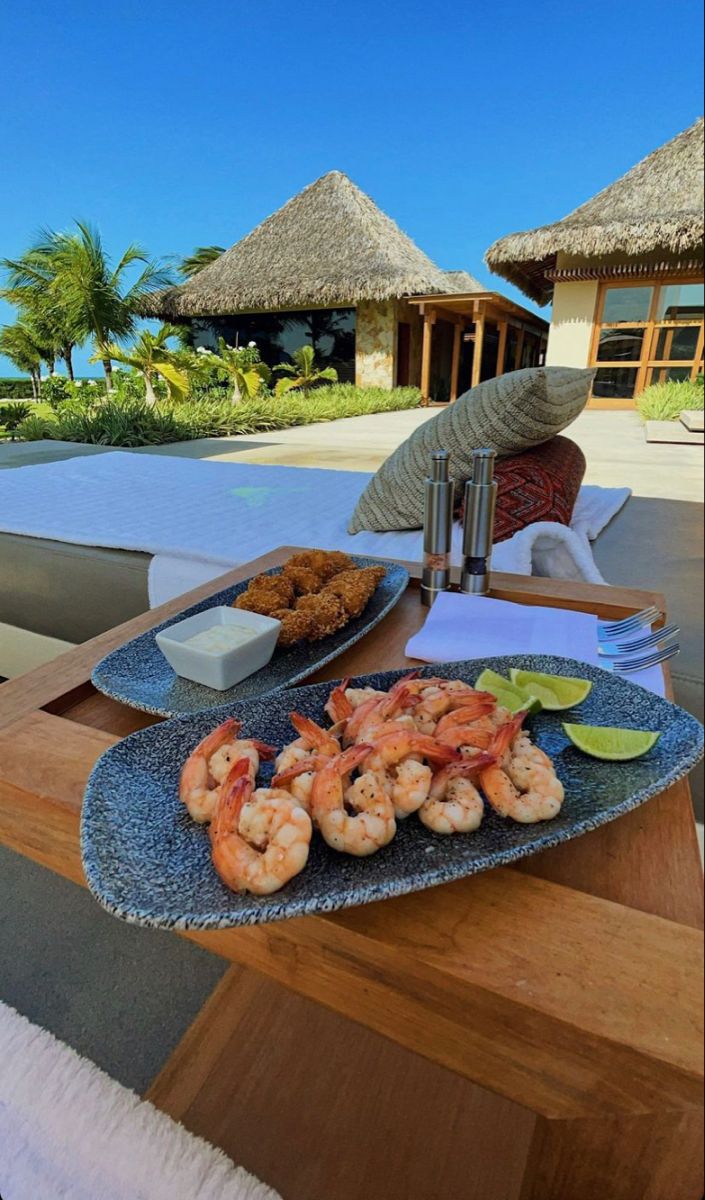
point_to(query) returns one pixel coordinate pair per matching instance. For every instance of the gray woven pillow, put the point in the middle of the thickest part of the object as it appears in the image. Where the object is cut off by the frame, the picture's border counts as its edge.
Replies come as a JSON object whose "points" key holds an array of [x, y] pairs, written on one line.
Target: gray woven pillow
{"points": [[511, 413]]}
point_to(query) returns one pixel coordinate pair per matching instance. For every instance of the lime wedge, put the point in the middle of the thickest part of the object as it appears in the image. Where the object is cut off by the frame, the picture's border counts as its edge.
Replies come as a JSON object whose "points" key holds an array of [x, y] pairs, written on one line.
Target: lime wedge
{"points": [[613, 745], [506, 693], [555, 692]]}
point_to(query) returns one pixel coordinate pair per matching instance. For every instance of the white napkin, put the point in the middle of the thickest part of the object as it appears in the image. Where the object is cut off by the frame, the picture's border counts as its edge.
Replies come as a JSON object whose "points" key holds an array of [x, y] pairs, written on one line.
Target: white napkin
{"points": [[459, 627]]}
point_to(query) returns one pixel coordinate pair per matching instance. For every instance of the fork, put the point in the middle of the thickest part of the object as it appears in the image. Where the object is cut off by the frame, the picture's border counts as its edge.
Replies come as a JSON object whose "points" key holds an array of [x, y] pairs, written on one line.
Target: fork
{"points": [[609, 630], [613, 649], [626, 666]]}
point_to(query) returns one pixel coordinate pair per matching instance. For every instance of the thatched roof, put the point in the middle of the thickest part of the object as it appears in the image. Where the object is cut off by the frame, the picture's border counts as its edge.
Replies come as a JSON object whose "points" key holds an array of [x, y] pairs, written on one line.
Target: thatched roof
{"points": [[463, 281], [329, 245], [656, 208]]}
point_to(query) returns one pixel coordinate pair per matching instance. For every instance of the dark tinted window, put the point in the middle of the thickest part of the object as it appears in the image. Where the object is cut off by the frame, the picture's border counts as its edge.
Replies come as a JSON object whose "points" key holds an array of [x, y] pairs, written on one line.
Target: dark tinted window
{"points": [[331, 332]]}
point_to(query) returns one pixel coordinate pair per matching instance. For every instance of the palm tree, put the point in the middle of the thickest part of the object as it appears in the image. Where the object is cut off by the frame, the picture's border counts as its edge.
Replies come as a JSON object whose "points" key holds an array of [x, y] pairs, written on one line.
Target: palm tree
{"points": [[19, 343], [303, 372], [30, 290], [95, 297], [202, 257], [150, 355], [246, 372]]}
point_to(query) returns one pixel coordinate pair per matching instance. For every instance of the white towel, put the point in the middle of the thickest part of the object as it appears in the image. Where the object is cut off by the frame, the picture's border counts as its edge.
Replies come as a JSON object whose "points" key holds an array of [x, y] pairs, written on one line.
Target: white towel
{"points": [[218, 514], [69, 1132], [460, 627]]}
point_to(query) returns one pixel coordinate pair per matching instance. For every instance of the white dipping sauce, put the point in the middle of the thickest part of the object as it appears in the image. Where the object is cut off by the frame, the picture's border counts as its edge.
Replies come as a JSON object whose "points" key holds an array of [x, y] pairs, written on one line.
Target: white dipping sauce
{"points": [[218, 639]]}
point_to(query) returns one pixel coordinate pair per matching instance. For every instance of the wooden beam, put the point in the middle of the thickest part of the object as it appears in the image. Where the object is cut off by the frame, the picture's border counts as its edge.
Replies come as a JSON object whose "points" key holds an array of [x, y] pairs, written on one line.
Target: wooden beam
{"points": [[429, 321], [479, 341], [501, 348], [519, 349], [455, 364]]}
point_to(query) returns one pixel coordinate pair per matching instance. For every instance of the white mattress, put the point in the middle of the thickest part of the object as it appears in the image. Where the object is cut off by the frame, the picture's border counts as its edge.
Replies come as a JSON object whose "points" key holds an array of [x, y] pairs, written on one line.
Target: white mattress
{"points": [[199, 518]]}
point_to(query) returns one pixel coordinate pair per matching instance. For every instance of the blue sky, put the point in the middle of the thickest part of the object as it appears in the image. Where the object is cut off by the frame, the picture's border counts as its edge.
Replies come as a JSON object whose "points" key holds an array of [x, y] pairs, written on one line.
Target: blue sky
{"points": [[180, 124]]}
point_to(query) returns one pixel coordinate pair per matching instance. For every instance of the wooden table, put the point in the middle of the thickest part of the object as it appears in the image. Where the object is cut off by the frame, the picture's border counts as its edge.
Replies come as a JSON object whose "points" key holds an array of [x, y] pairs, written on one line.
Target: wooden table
{"points": [[527, 1034]]}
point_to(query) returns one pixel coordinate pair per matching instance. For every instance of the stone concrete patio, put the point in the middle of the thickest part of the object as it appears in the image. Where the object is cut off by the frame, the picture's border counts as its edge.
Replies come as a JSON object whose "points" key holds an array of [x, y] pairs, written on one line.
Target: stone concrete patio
{"points": [[614, 445]]}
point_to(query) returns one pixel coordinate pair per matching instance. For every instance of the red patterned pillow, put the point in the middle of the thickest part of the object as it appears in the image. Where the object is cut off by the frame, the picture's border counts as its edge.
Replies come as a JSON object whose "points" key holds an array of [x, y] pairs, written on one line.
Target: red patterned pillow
{"points": [[539, 485]]}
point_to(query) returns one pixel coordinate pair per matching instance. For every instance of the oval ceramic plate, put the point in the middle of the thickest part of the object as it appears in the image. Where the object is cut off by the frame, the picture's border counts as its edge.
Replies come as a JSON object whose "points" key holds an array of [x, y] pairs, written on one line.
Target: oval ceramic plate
{"points": [[147, 862], [139, 675]]}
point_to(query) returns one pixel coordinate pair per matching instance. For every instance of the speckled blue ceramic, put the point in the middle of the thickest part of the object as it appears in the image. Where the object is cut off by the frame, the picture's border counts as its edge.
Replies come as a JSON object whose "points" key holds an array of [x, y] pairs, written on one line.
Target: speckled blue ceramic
{"points": [[139, 675], [146, 861]]}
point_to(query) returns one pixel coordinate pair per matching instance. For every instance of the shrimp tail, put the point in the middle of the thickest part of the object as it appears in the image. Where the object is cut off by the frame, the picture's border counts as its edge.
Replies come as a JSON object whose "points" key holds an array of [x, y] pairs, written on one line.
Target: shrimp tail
{"points": [[306, 728], [506, 734], [218, 737], [428, 746], [265, 752], [337, 705], [299, 768], [234, 793], [351, 758]]}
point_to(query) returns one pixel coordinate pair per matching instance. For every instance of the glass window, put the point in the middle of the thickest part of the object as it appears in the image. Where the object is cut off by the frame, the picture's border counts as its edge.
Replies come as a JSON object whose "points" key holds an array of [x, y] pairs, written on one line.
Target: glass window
{"points": [[331, 332], [670, 374], [679, 343], [616, 344], [627, 304], [615, 383], [681, 302]]}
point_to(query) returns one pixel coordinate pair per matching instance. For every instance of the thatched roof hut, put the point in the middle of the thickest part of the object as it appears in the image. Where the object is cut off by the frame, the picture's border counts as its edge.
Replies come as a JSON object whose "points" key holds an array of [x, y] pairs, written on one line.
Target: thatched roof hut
{"points": [[655, 209], [330, 245], [463, 282]]}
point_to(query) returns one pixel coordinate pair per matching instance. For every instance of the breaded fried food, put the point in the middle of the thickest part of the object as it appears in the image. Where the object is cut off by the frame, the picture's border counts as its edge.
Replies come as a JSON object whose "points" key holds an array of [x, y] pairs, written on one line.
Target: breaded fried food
{"points": [[328, 612], [355, 588], [264, 603], [325, 563], [265, 593], [303, 579], [279, 584], [296, 626]]}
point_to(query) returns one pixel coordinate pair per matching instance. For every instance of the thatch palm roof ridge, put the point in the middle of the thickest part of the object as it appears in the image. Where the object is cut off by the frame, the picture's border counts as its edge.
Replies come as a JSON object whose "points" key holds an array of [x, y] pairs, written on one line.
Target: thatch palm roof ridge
{"points": [[328, 245], [463, 281], [656, 207]]}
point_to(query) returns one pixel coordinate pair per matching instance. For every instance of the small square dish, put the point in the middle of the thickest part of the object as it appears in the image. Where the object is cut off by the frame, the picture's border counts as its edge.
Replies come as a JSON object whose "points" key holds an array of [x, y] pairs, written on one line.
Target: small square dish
{"points": [[219, 646]]}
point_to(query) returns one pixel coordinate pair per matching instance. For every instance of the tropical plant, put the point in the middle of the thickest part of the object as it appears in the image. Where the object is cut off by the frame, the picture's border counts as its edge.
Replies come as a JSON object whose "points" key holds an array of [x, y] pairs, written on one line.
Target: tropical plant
{"points": [[41, 306], [151, 356], [19, 343], [243, 366], [96, 299], [134, 423], [201, 257], [303, 372], [12, 415], [666, 401]]}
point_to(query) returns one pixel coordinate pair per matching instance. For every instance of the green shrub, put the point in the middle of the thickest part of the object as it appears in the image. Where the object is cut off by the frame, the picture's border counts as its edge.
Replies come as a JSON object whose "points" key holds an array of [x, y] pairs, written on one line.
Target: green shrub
{"points": [[129, 423], [37, 428], [666, 401], [56, 389], [12, 415], [16, 389]]}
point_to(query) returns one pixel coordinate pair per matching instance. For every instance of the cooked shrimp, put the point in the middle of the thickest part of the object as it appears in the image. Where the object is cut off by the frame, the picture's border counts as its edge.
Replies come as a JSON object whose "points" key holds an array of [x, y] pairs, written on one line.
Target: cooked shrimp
{"points": [[523, 783], [207, 766], [454, 804], [371, 824], [371, 716], [314, 743], [395, 760], [279, 828]]}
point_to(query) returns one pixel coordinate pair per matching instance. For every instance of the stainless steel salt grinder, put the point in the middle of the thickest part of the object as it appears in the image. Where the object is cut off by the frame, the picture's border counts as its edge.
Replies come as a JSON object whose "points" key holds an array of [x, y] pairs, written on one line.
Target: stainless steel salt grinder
{"points": [[478, 526], [437, 528]]}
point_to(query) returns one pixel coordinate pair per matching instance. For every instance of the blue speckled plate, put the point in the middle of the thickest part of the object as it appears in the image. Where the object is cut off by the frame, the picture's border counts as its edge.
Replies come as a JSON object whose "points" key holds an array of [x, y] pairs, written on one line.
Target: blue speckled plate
{"points": [[139, 675], [146, 861]]}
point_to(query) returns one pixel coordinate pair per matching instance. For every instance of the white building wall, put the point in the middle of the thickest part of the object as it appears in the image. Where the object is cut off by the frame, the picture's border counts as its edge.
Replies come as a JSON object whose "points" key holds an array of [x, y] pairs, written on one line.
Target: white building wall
{"points": [[572, 318]]}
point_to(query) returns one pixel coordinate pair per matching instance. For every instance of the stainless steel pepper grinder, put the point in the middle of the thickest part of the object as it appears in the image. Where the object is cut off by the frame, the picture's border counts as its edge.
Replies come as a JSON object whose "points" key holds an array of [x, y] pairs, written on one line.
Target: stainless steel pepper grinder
{"points": [[437, 528], [478, 525]]}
